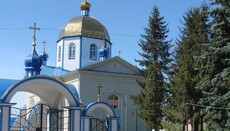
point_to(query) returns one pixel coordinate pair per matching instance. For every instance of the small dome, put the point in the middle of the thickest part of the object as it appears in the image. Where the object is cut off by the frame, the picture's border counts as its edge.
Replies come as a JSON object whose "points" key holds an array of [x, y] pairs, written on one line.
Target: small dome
{"points": [[44, 56], [85, 5], [86, 26], [33, 60], [103, 52]]}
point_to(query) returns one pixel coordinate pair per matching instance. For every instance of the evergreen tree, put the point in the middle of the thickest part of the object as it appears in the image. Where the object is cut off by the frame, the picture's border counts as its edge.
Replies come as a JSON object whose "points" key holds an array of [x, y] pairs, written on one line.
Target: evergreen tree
{"points": [[193, 34], [215, 71], [155, 66]]}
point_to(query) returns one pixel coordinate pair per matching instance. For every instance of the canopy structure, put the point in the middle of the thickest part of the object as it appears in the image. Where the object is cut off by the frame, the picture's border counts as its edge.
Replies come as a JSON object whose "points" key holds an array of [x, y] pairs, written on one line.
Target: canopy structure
{"points": [[42, 86]]}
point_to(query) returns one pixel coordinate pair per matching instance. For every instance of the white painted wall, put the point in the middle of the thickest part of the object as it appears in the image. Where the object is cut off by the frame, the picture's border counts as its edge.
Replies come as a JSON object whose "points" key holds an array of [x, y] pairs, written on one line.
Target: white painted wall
{"points": [[71, 64], [29, 97], [82, 52], [86, 42], [59, 63], [120, 85]]}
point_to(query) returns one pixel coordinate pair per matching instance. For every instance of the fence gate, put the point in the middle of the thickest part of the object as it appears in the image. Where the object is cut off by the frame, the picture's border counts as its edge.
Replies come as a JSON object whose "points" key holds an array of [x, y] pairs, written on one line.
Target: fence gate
{"points": [[99, 125], [39, 118]]}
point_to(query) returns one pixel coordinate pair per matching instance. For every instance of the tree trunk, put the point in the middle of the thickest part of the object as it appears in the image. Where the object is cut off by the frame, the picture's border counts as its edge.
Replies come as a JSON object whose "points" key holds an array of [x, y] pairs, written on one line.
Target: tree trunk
{"points": [[196, 124], [201, 123]]}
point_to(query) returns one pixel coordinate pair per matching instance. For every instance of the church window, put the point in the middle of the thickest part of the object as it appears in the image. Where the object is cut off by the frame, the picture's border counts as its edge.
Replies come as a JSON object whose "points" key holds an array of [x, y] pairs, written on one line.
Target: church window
{"points": [[59, 53], [113, 101], [93, 51], [72, 51]]}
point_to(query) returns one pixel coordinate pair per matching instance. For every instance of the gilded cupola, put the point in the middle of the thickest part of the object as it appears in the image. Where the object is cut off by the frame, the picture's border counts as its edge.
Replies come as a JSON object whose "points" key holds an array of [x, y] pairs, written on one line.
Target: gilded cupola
{"points": [[85, 5], [84, 25]]}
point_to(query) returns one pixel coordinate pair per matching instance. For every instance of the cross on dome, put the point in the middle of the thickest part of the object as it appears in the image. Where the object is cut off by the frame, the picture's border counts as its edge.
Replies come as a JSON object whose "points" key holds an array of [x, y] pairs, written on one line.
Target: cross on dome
{"points": [[34, 36], [119, 53], [44, 46]]}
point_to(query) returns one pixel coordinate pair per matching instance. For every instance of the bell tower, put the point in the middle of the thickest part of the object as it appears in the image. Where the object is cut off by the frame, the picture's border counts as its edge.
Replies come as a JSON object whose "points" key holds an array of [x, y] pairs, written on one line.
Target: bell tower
{"points": [[80, 41]]}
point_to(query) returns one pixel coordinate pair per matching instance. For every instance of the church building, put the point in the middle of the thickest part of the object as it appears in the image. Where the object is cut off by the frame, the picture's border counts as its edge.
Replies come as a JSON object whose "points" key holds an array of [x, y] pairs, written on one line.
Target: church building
{"points": [[87, 90]]}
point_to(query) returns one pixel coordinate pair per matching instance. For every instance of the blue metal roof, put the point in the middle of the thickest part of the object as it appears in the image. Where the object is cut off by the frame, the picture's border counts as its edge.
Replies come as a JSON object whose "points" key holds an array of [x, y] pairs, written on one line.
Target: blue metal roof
{"points": [[5, 84], [73, 89], [53, 71]]}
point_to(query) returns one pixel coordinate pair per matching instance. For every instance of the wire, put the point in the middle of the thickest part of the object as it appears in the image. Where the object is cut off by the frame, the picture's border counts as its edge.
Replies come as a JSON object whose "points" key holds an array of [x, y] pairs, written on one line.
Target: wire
{"points": [[52, 29], [13, 28], [6, 28], [220, 108]]}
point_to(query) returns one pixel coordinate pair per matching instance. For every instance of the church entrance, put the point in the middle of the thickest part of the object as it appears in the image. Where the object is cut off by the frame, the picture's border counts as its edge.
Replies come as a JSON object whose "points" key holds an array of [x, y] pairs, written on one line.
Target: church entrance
{"points": [[39, 118], [99, 125], [102, 117], [50, 113]]}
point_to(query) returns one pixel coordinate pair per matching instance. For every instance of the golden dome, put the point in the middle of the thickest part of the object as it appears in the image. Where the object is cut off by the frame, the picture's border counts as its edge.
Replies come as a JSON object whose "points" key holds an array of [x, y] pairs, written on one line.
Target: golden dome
{"points": [[86, 26], [85, 5]]}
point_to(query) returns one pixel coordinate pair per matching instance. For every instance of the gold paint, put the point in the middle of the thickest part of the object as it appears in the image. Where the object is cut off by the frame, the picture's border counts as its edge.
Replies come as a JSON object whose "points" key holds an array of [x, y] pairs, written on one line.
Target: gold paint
{"points": [[33, 44], [85, 5], [84, 25]]}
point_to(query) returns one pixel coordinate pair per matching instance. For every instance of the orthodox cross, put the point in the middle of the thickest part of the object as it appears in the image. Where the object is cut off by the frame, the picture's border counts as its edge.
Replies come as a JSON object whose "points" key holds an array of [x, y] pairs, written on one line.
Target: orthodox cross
{"points": [[119, 53], [44, 46], [99, 92], [35, 29]]}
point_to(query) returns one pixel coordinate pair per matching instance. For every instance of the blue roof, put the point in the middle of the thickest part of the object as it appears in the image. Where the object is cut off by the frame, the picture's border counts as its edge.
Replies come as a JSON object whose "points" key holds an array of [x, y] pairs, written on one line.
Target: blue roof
{"points": [[5, 84], [53, 71], [73, 89]]}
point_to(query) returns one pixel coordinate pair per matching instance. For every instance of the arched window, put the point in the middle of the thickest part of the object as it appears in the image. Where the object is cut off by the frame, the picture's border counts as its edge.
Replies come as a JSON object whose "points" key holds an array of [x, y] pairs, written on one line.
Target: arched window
{"points": [[59, 53], [71, 51], [93, 51], [113, 101]]}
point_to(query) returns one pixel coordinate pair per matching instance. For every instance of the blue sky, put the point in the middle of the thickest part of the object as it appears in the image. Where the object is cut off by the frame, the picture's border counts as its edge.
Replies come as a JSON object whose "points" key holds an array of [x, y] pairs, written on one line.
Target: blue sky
{"points": [[124, 19]]}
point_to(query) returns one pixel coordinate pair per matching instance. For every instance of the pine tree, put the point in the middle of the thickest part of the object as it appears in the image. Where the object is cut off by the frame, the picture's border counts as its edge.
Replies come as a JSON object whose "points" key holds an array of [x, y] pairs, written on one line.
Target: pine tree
{"points": [[193, 34], [215, 72], [155, 66]]}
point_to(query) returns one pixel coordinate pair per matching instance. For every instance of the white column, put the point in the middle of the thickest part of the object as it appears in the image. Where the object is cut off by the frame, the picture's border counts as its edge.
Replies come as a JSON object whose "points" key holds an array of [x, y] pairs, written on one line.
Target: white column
{"points": [[86, 123], [113, 124], [75, 118], [5, 112]]}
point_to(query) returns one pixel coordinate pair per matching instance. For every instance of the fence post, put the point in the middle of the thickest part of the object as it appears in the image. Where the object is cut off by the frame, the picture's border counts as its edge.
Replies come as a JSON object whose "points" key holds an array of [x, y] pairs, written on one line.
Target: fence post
{"points": [[5, 113], [113, 124], [86, 123], [76, 113]]}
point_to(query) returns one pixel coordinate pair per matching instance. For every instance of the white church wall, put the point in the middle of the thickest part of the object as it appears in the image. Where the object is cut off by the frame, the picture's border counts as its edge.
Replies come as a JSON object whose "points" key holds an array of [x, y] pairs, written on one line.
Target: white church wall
{"points": [[117, 67], [86, 50], [122, 108], [71, 64], [118, 84], [82, 54], [31, 100], [59, 60], [73, 79]]}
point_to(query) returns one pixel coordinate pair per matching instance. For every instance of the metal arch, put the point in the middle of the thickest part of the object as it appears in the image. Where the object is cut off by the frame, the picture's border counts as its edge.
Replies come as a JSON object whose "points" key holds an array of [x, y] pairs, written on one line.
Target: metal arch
{"points": [[8, 92], [92, 105]]}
